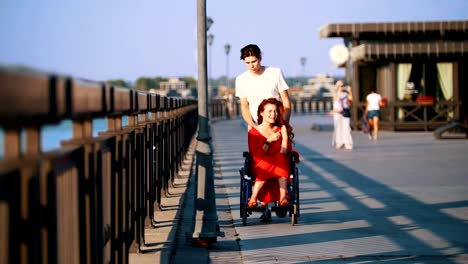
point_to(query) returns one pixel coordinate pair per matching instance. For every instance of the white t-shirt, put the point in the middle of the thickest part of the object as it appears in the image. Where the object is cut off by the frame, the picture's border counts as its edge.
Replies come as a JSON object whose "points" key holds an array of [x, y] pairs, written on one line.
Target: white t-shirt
{"points": [[258, 87], [373, 99]]}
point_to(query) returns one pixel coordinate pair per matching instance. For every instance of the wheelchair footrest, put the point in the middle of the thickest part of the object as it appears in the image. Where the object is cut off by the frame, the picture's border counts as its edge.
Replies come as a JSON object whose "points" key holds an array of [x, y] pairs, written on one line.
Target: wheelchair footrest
{"points": [[260, 209]]}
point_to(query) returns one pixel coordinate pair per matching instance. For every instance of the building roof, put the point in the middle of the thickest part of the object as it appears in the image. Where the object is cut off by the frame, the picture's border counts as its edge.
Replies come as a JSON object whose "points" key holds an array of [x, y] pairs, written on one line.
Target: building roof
{"points": [[397, 30], [402, 40], [440, 50]]}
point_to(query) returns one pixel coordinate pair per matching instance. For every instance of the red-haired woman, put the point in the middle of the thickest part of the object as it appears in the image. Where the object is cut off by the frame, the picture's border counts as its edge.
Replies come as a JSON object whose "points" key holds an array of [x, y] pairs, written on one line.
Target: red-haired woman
{"points": [[269, 144]]}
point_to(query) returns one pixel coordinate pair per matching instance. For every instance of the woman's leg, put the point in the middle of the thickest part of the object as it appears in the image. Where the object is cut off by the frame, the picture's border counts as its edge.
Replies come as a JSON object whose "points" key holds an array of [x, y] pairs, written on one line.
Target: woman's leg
{"points": [[257, 186], [347, 138], [375, 120], [370, 123], [337, 133], [283, 183]]}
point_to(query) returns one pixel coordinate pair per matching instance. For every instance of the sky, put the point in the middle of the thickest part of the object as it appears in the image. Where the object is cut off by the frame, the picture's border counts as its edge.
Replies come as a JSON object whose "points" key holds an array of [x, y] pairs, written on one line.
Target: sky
{"points": [[120, 39]]}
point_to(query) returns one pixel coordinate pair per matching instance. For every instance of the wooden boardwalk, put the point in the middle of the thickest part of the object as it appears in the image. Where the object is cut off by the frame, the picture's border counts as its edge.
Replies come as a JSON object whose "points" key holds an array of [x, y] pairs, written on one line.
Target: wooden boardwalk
{"points": [[402, 199]]}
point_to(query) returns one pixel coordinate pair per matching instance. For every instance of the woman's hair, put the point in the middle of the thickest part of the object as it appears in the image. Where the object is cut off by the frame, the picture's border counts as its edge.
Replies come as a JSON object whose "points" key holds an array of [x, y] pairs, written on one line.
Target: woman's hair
{"points": [[250, 50], [279, 120]]}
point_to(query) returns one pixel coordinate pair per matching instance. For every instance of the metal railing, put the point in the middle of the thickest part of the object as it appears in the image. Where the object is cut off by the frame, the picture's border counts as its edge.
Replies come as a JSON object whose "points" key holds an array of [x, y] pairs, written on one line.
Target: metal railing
{"points": [[89, 200], [411, 115], [399, 115], [219, 107], [311, 105]]}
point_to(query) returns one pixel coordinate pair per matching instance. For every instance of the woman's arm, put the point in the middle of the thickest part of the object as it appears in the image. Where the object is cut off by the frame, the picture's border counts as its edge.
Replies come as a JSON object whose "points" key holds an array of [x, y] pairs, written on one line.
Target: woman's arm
{"points": [[258, 146], [381, 102], [284, 140], [335, 95], [350, 96], [367, 105]]}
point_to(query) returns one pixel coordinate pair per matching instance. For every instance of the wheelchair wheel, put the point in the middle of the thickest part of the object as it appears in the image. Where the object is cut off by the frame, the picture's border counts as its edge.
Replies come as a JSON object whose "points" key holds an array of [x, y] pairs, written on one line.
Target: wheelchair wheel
{"points": [[244, 218], [296, 192], [245, 191], [242, 200], [281, 212]]}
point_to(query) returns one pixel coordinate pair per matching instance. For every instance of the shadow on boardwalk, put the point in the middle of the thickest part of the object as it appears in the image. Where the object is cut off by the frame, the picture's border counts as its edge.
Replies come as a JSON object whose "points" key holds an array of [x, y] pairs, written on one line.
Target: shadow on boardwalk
{"points": [[383, 223], [353, 207], [369, 205]]}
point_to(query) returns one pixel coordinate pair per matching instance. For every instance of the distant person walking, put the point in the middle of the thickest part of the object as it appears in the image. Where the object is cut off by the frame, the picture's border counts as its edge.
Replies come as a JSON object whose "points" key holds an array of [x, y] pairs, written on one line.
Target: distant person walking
{"points": [[230, 105], [342, 100], [374, 102], [257, 83]]}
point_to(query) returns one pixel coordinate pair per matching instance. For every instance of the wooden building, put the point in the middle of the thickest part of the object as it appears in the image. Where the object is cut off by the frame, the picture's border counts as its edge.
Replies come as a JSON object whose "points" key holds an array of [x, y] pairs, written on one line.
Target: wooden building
{"points": [[421, 67]]}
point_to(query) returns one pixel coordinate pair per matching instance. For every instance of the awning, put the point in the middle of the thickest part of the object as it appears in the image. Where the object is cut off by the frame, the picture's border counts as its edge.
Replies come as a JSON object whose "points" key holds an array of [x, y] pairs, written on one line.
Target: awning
{"points": [[386, 30], [437, 50]]}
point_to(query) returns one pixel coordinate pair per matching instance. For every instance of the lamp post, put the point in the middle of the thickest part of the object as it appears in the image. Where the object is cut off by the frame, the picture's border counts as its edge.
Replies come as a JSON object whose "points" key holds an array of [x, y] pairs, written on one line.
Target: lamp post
{"points": [[227, 49], [303, 63], [206, 228], [210, 39], [209, 22]]}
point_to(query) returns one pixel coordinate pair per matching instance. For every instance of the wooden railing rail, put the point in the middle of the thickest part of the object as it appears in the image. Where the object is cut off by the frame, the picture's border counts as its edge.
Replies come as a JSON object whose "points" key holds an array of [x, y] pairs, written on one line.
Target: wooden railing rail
{"points": [[89, 200], [409, 115], [399, 115], [219, 109]]}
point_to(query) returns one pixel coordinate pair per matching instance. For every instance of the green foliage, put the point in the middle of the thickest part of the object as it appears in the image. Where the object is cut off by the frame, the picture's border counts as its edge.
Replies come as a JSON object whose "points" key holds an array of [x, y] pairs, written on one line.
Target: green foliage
{"points": [[190, 81], [145, 83], [296, 81], [120, 83], [157, 80]]}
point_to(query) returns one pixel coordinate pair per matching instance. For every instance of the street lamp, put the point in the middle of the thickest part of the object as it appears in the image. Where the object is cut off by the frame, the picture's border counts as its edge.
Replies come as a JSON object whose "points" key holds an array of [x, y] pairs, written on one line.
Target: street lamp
{"points": [[303, 62], [209, 22], [227, 49], [210, 39]]}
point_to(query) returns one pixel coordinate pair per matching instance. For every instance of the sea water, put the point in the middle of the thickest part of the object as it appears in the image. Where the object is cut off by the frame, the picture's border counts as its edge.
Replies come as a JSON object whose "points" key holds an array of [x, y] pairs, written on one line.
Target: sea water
{"points": [[52, 135]]}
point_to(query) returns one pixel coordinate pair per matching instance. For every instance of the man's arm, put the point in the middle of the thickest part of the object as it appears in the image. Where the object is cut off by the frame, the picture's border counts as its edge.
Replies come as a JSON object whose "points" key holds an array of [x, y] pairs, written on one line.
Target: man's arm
{"points": [[246, 112], [286, 104]]}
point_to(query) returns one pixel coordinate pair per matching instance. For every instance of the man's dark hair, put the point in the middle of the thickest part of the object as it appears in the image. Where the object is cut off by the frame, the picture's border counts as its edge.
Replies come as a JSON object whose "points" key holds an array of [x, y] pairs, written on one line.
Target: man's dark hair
{"points": [[250, 50]]}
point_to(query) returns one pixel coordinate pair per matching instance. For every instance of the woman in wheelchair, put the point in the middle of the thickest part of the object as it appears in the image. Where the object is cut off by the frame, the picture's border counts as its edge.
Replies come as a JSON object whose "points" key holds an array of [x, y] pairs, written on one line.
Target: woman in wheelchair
{"points": [[269, 145]]}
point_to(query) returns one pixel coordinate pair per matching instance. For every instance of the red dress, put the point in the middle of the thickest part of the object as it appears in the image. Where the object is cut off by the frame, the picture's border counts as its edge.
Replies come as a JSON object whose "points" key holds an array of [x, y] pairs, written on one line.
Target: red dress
{"points": [[271, 165]]}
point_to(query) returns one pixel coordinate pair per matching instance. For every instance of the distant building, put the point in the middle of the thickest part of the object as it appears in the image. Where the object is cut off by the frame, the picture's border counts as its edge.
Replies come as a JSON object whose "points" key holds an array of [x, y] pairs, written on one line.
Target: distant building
{"points": [[409, 63], [319, 86], [224, 90], [174, 87], [297, 92]]}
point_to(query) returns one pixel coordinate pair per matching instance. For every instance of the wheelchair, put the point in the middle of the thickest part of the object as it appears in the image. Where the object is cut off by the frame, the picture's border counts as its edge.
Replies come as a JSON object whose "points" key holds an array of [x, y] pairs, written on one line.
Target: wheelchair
{"points": [[246, 187]]}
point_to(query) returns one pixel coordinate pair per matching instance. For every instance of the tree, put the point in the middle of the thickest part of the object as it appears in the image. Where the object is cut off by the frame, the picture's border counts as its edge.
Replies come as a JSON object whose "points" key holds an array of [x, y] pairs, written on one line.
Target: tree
{"points": [[157, 80], [303, 63], [145, 83], [190, 82], [118, 82]]}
